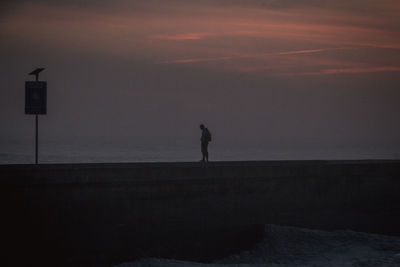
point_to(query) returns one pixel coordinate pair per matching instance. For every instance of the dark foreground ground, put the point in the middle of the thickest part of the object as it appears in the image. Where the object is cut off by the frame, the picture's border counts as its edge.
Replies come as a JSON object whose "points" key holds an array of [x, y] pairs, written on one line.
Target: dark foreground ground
{"points": [[99, 214]]}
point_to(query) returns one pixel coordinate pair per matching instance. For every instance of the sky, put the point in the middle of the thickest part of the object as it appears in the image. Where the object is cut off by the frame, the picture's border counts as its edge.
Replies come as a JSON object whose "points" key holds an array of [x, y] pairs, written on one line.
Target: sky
{"points": [[281, 73]]}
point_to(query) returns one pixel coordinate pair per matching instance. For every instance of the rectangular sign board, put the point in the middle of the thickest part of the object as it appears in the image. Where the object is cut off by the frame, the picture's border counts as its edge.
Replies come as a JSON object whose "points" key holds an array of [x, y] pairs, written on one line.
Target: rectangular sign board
{"points": [[35, 97]]}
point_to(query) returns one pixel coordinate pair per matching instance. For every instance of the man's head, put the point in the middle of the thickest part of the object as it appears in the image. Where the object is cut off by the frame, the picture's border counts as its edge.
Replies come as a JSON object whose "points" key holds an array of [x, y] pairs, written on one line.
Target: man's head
{"points": [[202, 126]]}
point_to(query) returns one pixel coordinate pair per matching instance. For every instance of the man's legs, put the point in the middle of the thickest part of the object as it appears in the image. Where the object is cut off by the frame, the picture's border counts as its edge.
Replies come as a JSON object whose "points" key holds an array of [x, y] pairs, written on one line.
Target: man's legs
{"points": [[207, 152], [204, 151]]}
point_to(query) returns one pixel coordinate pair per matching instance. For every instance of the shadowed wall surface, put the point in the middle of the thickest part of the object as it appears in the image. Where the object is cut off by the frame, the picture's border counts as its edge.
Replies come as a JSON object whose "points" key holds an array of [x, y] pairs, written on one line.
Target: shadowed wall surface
{"points": [[80, 214]]}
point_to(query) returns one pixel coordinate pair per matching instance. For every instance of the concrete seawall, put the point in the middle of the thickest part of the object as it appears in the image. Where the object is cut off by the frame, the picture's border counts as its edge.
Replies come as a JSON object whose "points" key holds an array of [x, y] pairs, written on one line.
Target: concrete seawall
{"points": [[81, 214]]}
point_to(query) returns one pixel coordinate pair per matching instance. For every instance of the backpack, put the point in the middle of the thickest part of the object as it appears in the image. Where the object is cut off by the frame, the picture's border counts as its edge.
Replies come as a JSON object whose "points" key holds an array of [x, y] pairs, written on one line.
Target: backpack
{"points": [[208, 135]]}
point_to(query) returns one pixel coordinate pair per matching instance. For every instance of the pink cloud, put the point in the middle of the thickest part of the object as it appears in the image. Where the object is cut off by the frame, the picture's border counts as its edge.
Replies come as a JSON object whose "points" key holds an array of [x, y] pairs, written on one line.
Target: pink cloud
{"points": [[343, 71], [311, 51], [378, 45], [249, 56], [182, 37], [194, 60]]}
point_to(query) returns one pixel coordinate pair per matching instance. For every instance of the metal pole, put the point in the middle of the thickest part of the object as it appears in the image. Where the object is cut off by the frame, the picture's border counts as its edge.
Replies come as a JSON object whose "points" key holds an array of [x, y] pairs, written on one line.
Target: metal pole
{"points": [[37, 131], [36, 143]]}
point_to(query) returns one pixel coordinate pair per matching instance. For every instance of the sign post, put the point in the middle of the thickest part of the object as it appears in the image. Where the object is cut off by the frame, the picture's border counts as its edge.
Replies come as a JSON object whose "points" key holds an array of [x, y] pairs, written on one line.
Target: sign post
{"points": [[36, 102]]}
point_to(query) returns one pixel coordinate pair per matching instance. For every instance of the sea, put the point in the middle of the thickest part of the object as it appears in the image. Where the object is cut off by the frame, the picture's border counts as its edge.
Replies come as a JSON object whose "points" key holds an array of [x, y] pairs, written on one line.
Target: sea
{"points": [[282, 246], [127, 149], [285, 246]]}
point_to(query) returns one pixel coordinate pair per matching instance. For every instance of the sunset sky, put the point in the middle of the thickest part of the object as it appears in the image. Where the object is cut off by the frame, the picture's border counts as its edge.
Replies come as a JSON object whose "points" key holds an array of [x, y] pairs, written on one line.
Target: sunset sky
{"points": [[278, 71]]}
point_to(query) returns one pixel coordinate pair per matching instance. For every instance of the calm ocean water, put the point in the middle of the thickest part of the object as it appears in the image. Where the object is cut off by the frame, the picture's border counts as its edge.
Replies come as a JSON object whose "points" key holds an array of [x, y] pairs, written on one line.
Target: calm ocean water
{"points": [[111, 149]]}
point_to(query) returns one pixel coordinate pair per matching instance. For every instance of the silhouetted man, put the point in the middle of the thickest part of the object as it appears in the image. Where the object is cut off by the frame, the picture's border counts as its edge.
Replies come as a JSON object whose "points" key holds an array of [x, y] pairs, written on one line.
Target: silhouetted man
{"points": [[205, 139]]}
